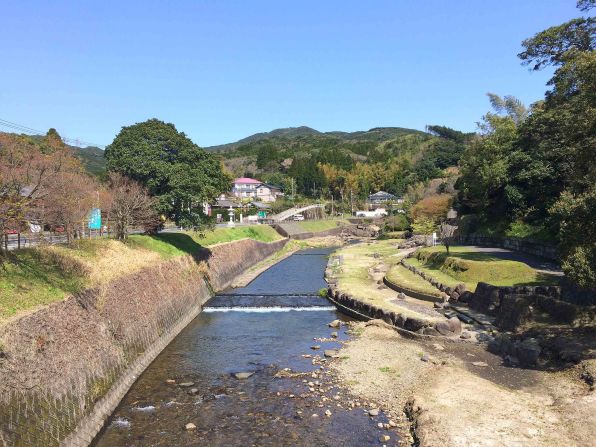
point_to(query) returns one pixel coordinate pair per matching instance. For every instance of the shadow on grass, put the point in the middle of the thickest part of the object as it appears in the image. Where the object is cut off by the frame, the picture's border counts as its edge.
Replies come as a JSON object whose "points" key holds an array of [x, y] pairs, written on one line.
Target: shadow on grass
{"points": [[184, 243], [542, 279], [28, 267]]}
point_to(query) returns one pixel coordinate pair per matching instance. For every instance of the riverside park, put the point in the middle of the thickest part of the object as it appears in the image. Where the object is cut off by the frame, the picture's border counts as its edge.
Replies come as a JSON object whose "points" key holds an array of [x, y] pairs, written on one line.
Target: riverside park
{"points": [[418, 269]]}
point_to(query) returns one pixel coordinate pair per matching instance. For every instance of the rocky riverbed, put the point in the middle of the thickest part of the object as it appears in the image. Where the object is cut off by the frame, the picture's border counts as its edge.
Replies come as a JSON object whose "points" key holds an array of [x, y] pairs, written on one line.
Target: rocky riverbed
{"points": [[455, 393]]}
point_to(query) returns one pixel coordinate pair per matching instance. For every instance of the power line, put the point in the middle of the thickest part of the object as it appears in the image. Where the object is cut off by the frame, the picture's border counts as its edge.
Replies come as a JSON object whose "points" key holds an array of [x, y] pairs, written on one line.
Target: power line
{"points": [[31, 131]]}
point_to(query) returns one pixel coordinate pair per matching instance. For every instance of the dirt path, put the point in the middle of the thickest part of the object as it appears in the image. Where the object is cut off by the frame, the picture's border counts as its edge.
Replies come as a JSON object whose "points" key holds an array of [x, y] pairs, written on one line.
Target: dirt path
{"points": [[455, 402]]}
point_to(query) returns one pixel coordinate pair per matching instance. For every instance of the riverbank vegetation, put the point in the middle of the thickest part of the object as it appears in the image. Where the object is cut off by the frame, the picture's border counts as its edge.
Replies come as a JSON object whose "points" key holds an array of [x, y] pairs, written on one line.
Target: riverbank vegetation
{"points": [[469, 266], [37, 276], [533, 168]]}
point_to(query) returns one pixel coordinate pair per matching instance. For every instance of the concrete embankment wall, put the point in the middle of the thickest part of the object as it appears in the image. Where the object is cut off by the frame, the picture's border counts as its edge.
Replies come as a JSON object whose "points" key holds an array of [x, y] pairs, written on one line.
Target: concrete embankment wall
{"points": [[293, 231], [65, 367]]}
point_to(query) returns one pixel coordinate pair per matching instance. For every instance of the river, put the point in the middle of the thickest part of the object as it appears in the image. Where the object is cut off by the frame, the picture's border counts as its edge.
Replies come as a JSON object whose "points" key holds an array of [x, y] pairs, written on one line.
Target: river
{"points": [[263, 328]]}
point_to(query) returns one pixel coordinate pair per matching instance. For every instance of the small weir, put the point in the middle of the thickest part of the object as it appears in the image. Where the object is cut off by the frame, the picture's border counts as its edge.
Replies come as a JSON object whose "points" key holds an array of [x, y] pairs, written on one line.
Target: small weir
{"points": [[267, 330], [268, 303]]}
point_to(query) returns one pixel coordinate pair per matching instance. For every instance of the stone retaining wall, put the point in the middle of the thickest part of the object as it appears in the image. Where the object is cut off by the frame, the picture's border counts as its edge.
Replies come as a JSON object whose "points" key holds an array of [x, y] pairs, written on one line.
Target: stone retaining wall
{"points": [[535, 248], [453, 294], [515, 306], [412, 293], [362, 309], [64, 368]]}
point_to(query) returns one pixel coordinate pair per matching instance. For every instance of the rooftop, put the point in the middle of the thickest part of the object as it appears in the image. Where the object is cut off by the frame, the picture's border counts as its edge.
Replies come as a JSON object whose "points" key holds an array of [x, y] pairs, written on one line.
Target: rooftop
{"points": [[247, 181]]}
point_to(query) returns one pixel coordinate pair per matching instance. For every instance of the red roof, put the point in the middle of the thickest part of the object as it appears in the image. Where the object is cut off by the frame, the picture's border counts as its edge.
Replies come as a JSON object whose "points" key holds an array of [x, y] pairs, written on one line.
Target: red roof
{"points": [[246, 180]]}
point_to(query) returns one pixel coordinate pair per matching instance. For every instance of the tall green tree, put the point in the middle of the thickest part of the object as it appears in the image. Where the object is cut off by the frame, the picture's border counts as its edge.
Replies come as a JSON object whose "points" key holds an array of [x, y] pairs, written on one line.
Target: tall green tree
{"points": [[538, 167], [176, 171]]}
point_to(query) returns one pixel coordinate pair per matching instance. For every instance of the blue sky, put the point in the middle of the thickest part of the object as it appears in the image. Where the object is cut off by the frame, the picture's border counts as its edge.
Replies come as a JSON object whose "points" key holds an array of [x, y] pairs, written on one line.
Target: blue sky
{"points": [[222, 70]]}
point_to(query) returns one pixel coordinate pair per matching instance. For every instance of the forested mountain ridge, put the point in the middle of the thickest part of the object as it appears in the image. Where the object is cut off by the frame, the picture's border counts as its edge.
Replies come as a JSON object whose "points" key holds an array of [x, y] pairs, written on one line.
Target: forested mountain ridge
{"points": [[388, 158], [374, 134]]}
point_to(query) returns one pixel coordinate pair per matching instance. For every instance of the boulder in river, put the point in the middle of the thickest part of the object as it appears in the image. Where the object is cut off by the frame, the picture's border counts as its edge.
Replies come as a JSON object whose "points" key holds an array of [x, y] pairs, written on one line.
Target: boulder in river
{"points": [[243, 375], [332, 353], [336, 324], [373, 412], [186, 384], [190, 426]]}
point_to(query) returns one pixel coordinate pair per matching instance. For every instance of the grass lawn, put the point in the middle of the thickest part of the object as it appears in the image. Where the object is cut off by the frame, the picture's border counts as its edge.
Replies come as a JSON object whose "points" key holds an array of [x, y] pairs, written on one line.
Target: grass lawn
{"points": [[354, 274], [38, 276], [471, 267], [169, 245], [318, 225], [30, 279], [405, 278]]}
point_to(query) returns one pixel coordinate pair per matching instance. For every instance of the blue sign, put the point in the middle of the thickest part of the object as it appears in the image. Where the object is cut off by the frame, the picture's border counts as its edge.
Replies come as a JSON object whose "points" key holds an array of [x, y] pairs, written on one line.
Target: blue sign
{"points": [[95, 219]]}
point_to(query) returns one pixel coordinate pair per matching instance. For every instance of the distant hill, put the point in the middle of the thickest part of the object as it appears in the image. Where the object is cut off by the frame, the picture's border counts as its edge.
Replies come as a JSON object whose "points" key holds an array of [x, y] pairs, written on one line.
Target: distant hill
{"points": [[288, 132], [377, 134], [92, 158]]}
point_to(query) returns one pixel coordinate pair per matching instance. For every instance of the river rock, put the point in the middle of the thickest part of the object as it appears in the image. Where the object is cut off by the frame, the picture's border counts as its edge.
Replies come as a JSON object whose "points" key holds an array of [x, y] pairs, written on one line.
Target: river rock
{"points": [[193, 391], [528, 351], [336, 324], [315, 347], [332, 353], [334, 334], [373, 412], [465, 335], [170, 381], [480, 364], [443, 328], [430, 331], [243, 375], [454, 325], [190, 426], [414, 324], [327, 413], [384, 438], [186, 384]]}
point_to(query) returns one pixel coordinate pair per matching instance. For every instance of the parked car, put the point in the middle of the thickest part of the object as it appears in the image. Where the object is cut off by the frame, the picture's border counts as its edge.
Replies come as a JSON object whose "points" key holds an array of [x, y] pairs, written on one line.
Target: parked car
{"points": [[298, 217]]}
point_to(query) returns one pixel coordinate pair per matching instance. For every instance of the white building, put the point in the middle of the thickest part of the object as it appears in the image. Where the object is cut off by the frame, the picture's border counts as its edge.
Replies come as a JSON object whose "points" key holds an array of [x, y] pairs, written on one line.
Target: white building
{"points": [[245, 187]]}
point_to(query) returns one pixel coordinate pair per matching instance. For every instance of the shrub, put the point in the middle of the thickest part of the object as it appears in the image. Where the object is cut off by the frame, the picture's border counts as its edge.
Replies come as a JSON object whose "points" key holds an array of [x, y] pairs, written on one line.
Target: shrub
{"points": [[398, 222]]}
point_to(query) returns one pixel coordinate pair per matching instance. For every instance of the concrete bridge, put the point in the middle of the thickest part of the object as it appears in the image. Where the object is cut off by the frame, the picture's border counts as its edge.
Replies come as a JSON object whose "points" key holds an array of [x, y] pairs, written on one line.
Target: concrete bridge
{"points": [[293, 211]]}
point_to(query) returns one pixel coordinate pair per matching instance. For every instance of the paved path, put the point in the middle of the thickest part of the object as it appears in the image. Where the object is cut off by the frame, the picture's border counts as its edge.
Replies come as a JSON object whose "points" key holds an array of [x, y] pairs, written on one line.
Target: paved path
{"points": [[539, 264]]}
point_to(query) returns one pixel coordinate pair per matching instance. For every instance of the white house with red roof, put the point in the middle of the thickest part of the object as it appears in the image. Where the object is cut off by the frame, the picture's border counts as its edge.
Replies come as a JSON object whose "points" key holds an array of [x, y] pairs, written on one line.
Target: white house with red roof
{"points": [[246, 187]]}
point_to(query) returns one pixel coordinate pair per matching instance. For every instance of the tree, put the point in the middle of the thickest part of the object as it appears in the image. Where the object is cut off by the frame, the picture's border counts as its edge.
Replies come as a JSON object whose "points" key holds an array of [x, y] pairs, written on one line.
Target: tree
{"points": [[423, 225], [537, 167], [485, 162], [70, 198], [434, 208], [577, 216], [558, 44], [175, 170], [30, 171], [130, 205], [447, 232]]}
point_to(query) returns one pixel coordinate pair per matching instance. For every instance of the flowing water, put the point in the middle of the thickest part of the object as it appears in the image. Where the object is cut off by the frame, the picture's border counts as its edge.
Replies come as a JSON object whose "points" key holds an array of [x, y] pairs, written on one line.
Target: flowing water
{"points": [[263, 328]]}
